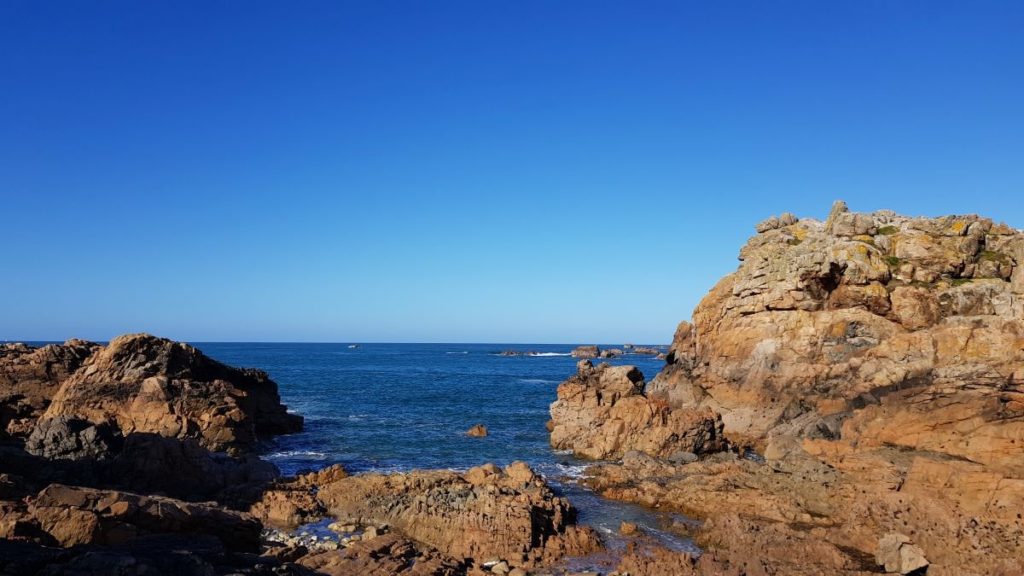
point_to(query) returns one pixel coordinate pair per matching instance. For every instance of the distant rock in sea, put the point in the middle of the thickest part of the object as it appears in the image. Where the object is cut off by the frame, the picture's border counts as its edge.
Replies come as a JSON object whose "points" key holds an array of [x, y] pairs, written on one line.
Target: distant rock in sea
{"points": [[586, 352]]}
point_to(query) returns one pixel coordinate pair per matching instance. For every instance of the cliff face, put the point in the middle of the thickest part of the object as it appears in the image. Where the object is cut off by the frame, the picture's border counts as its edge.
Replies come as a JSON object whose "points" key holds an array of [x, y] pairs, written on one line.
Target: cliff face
{"points": [[876, 361]]}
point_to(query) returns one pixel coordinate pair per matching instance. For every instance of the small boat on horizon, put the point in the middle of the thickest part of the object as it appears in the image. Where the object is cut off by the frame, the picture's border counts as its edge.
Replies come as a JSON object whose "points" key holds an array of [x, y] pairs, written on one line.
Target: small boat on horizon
{"points": [[353, 345]]}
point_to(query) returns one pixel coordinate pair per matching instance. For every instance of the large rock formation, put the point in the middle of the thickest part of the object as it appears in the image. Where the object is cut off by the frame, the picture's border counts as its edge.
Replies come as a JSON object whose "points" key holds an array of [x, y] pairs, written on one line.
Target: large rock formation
{"points": [[90, 431], [139, 383], [877, 363], [824, 318]]}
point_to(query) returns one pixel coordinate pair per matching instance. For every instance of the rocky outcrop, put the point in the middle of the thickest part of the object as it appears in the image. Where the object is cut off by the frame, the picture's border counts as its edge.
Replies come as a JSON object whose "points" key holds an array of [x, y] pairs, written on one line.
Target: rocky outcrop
{"points": [[823, 318], [292, 502], [141, 414], [92, 451], [602, 412], [488, 512], [139, 383], [74, 516], [647, 351], [507, 514], [29, 377], [876, 363]]}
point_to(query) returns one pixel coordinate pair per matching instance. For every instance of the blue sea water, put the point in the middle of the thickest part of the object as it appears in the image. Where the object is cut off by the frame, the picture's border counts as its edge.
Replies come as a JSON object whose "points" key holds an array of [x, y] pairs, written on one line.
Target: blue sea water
{"points": [[399, 407]]}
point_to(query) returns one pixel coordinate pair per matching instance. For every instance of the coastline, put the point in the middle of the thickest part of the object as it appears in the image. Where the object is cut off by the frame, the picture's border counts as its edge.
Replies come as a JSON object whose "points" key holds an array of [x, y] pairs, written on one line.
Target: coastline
{"points": [[849, 401]]}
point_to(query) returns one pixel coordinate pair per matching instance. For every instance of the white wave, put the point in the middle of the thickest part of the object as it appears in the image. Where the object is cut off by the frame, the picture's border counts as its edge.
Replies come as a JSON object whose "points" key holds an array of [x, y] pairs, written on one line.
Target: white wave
{"points": [[570, 471], [463, 352], [537, 381], [550, 354], [297, 453]]}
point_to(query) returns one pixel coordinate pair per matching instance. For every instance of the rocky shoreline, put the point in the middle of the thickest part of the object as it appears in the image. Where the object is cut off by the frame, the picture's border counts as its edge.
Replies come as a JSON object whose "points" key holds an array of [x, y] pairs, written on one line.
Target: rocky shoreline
{"points": [[139, 457], [849, 401]]}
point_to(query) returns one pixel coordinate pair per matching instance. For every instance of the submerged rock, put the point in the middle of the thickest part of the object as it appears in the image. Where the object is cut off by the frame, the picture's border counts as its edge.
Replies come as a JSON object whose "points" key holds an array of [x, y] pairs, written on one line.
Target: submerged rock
{"points": [[478, 431]]}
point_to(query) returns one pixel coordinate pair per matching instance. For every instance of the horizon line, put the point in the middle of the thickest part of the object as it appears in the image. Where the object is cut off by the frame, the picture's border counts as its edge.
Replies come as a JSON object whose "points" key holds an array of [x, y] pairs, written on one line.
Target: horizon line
{"points": [[345, 342]]}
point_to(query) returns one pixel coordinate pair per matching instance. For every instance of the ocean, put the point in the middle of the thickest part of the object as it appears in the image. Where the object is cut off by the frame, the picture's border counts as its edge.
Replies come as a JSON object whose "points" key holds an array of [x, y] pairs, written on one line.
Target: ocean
{"points": [[399, 407]]}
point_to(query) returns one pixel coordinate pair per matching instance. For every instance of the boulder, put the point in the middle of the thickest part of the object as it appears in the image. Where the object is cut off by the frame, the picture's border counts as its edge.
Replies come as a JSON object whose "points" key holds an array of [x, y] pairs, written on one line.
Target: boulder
{"points": [[898, 556], [69, 438], [477, 431], [603, 412], [291, 502], [30, 376]]}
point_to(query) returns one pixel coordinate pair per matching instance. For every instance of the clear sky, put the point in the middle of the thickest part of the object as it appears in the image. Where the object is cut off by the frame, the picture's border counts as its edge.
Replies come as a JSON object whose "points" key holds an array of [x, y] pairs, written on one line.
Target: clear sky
{"points": [[471, 171]]}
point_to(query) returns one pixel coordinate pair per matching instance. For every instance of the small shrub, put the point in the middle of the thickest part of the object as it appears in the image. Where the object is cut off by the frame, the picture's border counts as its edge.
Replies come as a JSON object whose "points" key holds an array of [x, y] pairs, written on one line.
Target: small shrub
{"points": [[888, 230], [893, 261], [993, 256]]}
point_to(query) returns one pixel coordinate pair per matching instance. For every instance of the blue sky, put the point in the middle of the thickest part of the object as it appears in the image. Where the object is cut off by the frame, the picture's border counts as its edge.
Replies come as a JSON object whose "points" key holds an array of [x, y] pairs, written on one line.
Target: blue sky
{"points": [[467, 171]]}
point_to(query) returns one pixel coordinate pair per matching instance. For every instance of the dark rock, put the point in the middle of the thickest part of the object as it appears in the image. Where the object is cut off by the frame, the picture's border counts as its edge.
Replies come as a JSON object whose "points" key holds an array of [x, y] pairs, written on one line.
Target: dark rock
{"points": [[69, 438]]}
